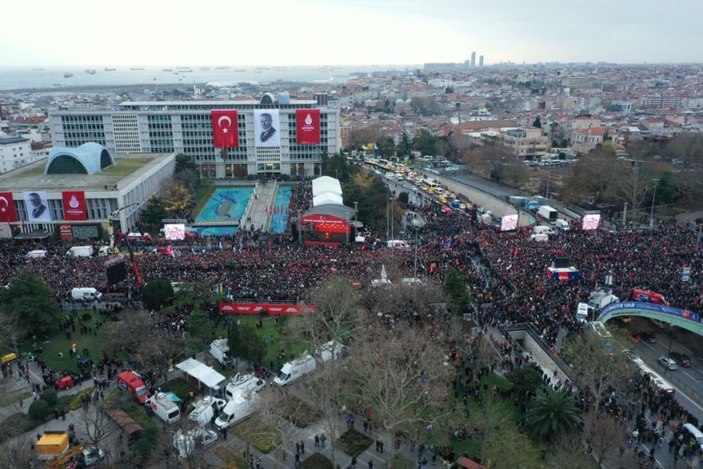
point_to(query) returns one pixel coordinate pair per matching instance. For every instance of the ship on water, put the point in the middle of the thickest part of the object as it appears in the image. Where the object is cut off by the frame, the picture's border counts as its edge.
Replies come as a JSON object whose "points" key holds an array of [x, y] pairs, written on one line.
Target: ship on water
{"points": [[107, 69], [136, 68], [90, 71], [67, 75]]}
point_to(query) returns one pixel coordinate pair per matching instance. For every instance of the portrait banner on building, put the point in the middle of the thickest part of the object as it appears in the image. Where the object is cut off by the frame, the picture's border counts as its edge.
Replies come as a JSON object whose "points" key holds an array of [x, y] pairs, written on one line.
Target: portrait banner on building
{"points": [[267, 128], [8, 214], [307, 122], [37, 205], [225, 130], [74, 206]]}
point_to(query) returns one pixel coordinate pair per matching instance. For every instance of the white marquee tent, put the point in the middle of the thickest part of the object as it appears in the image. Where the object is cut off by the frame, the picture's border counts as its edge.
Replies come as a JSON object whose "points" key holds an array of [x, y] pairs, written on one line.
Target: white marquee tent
{"points": [[326, 191], [200, 371]]}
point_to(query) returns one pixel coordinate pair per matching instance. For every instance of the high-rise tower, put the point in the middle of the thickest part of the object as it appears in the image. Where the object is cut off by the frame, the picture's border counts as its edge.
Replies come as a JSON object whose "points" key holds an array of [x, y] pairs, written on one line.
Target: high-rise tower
{"points": [[473, 59], [480, 61]]}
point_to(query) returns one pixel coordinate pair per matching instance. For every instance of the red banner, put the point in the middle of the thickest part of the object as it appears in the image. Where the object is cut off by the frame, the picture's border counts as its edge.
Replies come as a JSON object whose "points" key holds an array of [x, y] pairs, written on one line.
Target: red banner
{"points": [[307, 123], [274, 309], [225, 131], [66, 232], [8, 214], [74, 207]]}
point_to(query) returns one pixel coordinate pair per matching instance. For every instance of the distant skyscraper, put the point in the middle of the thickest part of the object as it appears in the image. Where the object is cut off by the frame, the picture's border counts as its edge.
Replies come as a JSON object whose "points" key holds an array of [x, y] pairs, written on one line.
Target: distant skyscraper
{"points": [[473, 59], [480, 61]]}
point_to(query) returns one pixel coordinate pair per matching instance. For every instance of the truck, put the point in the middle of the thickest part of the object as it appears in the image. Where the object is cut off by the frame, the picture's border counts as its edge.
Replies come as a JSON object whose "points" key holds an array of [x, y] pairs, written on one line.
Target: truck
{"points": [[51, 445], [517, 200], [599, 299], [80, 251], [241, 406], [205, 409], [547, 212], [244, 383], [294, 370], [189, 442], [163, 407], [133, 383], [219, 349], [582, 310], [86, 454], [86, 294], [543, 229]]}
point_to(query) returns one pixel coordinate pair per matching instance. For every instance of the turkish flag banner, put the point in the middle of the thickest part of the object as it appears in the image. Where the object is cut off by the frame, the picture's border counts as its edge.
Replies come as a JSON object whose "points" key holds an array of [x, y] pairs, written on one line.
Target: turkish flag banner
{"points": [[225, 131], [307, 123], [74, 207], [8, 214]]}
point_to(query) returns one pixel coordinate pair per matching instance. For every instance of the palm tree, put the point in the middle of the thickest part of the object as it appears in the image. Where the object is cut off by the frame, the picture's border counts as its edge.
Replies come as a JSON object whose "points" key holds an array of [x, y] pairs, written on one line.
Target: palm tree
{"points": [[551, 414]]}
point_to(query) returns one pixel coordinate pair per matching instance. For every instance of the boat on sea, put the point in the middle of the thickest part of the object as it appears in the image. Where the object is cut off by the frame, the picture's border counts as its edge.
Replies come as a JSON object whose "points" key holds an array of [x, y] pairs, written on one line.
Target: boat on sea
{"points": [[107, 69], [137, 68], [37, 69], [223, 67], [90, 71], [67, 75], [239, 70], [167, 69]]}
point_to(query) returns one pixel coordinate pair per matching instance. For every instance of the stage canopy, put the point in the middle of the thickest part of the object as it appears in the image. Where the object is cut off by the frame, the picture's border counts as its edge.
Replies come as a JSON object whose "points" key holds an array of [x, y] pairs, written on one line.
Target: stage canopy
{"points": [[326, 184], [203, 373], [327, 198]]}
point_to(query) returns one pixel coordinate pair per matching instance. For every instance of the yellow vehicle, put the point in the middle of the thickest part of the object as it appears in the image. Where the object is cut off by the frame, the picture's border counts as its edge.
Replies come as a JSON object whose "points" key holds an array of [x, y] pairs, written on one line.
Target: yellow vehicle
{"points": [[442, 199], [8, 358], [52, 445]]}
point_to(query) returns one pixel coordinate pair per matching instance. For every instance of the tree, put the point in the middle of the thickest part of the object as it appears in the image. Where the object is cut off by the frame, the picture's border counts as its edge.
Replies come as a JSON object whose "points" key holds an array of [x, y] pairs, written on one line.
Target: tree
{"points": [[184, 163], [385, 146], [17, 453], [157, 293], [153, 213], [526, 379], [403, 198], [244, 343], [552, 413], [94, 422], [177, 198], [160, 349], [405, 147], [537, 122], [595, 368], [29, 305], [126, 335], [606, 435], [568, 451], [634, 184], [424, 142], [399, 374], [456, 290], [594, 175]]}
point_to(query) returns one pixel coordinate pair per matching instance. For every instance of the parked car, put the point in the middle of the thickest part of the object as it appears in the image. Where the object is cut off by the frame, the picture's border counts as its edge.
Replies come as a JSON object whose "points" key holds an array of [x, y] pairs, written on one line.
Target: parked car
{"points": [[681, 358], [668, 363], [647, 337], [635, 337]]}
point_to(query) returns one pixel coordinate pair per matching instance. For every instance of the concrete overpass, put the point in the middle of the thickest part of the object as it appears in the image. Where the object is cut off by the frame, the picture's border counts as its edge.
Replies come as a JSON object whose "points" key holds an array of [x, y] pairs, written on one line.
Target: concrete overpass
{"points": [[682, 318]]}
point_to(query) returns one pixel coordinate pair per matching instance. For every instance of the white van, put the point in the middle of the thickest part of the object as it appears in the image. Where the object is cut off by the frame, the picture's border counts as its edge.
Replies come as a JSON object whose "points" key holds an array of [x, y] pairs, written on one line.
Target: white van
{"points": [[247, 384], [80, 251], [86, 294], [240, 407], [562, 224], [543, 229], [104, 251], [36, 254], [541, 237], [189, 442], [695, 433], [582, 312], [205, 408], [397, 244], [296, 369], [164, 407], [219, 349]]}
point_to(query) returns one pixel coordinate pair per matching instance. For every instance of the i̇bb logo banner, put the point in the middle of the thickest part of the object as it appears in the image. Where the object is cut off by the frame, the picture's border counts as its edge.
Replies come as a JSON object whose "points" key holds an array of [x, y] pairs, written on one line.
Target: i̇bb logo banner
{"points": [[308, 126], [74, 207]]}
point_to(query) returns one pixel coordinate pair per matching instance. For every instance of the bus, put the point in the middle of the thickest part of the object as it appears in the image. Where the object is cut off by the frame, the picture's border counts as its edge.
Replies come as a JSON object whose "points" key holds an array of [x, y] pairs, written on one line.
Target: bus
{"points": [[661, 384]]}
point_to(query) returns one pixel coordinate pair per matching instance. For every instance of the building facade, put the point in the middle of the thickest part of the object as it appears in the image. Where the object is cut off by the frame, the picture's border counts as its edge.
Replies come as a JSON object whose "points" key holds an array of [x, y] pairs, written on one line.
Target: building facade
{"points": [[15, 152], [185, 127]]}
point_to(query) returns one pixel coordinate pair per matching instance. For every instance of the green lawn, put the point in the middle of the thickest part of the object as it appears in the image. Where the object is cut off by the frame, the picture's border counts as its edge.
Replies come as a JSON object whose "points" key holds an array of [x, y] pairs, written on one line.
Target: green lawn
{"points": [[353, 443], [59, 343], [277, 337], [126, 166], [261, 435]]}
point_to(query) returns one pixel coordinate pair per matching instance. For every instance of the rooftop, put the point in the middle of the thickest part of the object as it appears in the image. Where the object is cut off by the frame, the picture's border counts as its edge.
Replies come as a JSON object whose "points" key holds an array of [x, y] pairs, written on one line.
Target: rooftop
{"points": [[10, 140], [122, 173]]}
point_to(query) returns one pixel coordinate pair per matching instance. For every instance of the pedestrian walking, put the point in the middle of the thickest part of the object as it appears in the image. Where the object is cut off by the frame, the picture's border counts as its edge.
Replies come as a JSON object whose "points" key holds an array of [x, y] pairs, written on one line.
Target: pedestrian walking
{"points": [[370, 464], [353, 462], [323, 438], [317, 441], [302, 447], [21, 402], [297, 448]]}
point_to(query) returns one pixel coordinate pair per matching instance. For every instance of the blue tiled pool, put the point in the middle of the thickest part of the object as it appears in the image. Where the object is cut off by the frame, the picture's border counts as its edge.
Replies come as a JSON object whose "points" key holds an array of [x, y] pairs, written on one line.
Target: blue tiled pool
{"points": [[225, 204], [279, 220]]}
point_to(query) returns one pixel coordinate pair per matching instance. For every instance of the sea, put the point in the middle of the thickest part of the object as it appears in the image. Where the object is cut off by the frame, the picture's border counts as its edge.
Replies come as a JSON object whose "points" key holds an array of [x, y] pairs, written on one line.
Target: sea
{"points": [[28, 78]]}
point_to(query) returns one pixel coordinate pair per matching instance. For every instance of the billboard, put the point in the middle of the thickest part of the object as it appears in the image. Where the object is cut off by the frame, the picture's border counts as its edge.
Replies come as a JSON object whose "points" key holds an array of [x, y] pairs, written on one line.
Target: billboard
{"points": [[267, 128], [175, 231], [74, 207], [307, 124], [8, 214], [508, 222], [274, 309], [37, 205], [590, 221], [225, 131]]}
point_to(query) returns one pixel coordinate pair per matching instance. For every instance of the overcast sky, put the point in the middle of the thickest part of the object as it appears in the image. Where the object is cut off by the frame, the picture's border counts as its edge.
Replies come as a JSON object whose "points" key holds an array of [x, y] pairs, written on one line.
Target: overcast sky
{"points": [[347, 32]]}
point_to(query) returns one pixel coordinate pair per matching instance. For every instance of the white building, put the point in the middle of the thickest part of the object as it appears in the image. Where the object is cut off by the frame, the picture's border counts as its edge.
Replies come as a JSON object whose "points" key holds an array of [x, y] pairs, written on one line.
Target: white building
{"points": [[15, 152], [185, 127]]}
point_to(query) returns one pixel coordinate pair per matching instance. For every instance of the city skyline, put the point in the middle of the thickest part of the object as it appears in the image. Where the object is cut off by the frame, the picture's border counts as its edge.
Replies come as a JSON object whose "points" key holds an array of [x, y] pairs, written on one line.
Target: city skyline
{"points": [[394, 32]]}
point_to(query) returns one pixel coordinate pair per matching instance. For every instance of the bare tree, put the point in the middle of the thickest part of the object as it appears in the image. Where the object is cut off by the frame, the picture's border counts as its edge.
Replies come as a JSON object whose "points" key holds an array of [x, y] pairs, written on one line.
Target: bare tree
{"points": [[399, 373], [606, 435], [94, 423], [17, 453], [634, 183], [160, 349], [568, 450]]}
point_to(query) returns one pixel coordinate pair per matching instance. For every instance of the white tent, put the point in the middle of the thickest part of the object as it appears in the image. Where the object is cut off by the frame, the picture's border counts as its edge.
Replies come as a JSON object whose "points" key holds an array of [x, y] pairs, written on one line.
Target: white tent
{"points": [[200, 371], [327, 198], [326, 184]]}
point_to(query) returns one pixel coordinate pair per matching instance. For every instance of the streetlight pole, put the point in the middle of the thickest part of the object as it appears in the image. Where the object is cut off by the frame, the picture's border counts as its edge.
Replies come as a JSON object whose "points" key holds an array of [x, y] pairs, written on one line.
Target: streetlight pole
{"points": [[651, 212], [624, 216]]}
